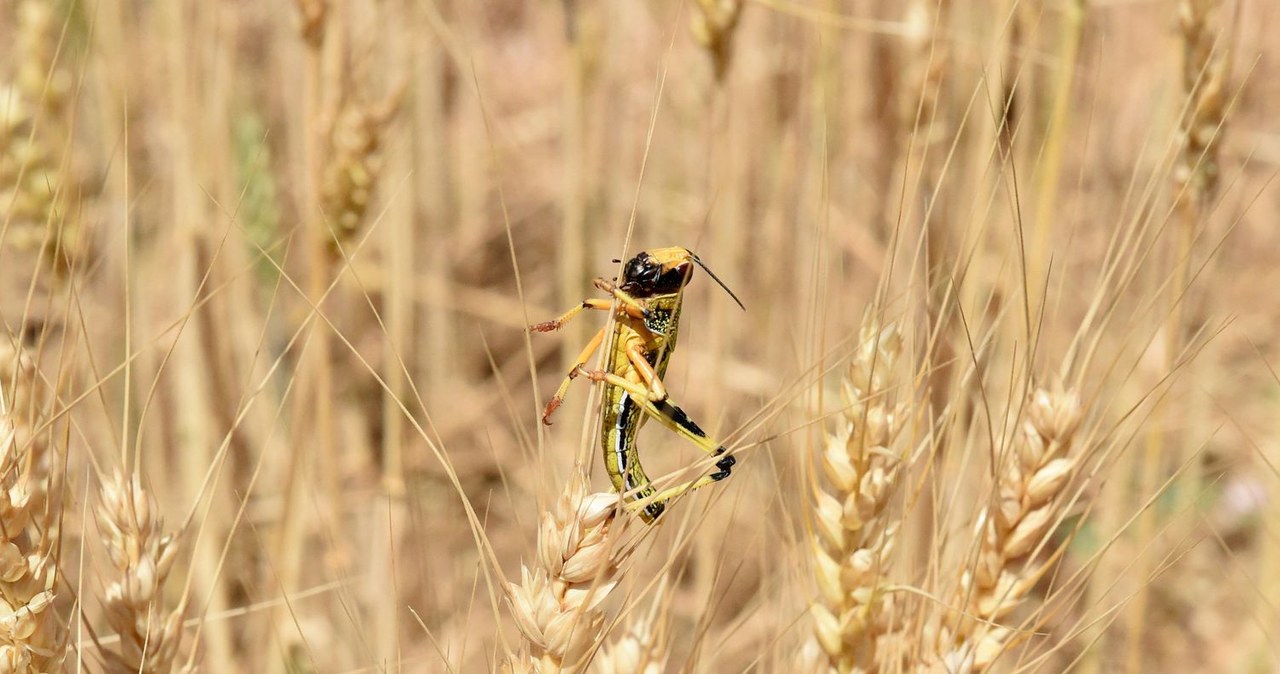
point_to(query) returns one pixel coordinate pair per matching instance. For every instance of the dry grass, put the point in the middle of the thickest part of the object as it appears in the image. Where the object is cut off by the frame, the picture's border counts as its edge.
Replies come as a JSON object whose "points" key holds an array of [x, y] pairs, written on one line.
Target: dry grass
{"points": [[268, 267]]}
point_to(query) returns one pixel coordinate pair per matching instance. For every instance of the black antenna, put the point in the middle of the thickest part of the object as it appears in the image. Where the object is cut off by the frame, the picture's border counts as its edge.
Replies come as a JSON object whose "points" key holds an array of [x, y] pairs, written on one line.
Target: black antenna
{"points": [[716, 279]]}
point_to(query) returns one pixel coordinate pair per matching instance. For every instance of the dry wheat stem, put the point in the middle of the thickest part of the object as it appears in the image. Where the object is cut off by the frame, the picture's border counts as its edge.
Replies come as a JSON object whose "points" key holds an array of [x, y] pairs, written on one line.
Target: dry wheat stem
{"points": [[32, 638], [556, 605], [1030, 482], [855, 535], [142, 555]]}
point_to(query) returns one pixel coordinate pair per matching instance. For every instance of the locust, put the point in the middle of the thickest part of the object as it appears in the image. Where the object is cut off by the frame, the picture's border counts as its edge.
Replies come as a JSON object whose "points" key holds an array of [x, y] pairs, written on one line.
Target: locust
{"points": [[647, 305]]}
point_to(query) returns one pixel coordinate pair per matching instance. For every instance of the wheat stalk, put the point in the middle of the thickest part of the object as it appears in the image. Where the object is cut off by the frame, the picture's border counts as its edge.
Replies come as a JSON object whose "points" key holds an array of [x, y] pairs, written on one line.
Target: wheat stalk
{"points": [[142, 556], [1030, 483], [32, 638], [556, 604], [854, 537]]}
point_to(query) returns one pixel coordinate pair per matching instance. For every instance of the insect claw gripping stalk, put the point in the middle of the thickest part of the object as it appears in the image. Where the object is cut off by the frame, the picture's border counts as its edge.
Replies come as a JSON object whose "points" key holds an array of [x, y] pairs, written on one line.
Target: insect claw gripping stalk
{"points": [[647, 322]]}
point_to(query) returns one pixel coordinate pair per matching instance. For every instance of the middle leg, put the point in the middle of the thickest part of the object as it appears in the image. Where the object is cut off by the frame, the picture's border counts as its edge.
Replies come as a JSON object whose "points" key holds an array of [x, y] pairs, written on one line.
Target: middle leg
{"points": [[578, 364]]}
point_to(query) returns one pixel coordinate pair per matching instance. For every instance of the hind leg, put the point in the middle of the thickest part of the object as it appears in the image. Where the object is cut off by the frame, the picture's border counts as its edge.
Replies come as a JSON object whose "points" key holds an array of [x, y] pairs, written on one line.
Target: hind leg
{"points": [[671, 416]]}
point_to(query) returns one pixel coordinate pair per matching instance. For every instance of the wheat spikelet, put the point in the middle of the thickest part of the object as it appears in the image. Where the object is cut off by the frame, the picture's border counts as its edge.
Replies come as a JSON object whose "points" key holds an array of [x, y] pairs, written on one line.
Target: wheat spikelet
{"points": [[1029, 483], [713, 25], [34, 128], [32, 639], [556, 604], [854, 538], [639, 651], [1204, 78], [142, 556]]}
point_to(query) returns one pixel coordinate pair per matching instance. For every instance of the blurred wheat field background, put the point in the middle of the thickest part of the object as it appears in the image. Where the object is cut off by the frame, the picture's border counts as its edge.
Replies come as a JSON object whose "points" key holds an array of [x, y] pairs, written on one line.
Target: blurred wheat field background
{"points": [[1003, 398]]}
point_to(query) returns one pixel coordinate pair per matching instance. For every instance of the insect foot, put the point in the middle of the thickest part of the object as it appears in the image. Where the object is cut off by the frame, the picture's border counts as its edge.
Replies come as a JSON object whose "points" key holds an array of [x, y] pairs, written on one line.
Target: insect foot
{"points": [[726, 466], [551, 408]]}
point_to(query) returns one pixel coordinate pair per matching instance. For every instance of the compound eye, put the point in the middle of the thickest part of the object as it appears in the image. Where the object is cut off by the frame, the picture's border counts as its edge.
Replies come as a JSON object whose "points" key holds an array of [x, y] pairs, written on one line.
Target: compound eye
{"points": [[634, 269], [651, 273], [641, 269]]}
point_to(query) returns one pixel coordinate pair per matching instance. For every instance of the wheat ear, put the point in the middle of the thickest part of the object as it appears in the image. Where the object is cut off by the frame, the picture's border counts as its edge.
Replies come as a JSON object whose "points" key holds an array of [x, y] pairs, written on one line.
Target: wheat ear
{"points": [[1030, 483], [142, 556], [34, 132], [354, 165], [32, 639], [556, 604], [854, 537], [1204, 78]]}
